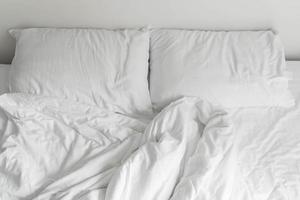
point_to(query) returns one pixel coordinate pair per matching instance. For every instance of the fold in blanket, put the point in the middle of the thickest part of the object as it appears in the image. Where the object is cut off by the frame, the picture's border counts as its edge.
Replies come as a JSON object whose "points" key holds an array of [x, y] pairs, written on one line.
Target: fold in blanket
{"points": [[183, 148]]}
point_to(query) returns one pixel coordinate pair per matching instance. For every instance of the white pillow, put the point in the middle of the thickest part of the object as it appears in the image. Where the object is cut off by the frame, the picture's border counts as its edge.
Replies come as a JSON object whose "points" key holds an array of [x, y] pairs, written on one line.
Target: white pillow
{"points": [[108, 68], [232, 69]]}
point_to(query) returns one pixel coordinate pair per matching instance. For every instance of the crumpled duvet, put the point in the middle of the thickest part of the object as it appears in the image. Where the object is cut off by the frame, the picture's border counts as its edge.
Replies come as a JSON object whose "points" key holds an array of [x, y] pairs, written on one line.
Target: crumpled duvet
{"points": [[61, 150], [56, 149]]}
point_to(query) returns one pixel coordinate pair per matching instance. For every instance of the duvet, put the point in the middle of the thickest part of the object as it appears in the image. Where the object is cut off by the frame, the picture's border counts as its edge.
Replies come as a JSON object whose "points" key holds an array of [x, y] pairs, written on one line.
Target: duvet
{"points": [[61, 150]]}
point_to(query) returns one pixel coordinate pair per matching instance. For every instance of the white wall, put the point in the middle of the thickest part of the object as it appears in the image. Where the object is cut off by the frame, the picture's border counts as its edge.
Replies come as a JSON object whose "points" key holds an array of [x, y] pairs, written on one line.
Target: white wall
{"points": [[281, 15]]}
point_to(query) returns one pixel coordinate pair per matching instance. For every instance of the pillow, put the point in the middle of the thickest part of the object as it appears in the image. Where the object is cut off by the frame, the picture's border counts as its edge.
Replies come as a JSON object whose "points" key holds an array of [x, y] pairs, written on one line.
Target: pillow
{"points": [[108, 68], [231, 69]]}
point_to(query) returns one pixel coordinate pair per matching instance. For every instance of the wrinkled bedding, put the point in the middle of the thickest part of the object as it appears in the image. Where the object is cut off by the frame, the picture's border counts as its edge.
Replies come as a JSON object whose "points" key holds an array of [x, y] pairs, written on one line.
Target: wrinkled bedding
{"points": [[198, 152], [56, 149]]}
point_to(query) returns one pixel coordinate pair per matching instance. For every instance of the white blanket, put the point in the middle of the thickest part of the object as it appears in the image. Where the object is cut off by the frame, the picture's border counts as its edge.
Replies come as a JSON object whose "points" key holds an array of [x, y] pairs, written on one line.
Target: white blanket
{"points": [[247, 154], [55, 149]]}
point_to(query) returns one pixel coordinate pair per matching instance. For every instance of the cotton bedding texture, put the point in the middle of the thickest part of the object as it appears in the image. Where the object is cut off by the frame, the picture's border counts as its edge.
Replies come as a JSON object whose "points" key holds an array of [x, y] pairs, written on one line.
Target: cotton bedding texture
{"points": [[76, 125], [58, 149]]}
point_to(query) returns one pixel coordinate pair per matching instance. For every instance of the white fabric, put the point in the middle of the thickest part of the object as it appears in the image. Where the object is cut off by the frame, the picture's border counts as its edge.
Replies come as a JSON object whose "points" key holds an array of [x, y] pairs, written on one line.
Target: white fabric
{"points": [[56, 149], [234, 69], [60, 149], [104, 67], [248, 154]]}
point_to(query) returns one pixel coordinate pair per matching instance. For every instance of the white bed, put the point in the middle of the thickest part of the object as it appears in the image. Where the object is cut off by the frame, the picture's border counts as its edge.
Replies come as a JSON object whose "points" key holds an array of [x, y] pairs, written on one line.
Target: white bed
{"points": [[51, 149]]}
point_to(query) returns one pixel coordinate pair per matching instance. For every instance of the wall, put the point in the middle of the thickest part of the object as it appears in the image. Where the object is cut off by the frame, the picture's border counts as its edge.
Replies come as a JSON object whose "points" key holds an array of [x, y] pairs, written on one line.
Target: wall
{"points": [[280, 15]]}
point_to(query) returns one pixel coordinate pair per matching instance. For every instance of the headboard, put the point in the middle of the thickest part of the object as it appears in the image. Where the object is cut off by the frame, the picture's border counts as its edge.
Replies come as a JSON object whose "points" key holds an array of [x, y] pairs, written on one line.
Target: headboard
{"points": [[281, 16]]}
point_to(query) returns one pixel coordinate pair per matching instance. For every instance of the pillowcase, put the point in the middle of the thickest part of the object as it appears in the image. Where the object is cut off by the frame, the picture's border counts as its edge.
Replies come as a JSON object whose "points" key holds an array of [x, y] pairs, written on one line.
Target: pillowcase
{"points": [[231, 69], [108, 68]]}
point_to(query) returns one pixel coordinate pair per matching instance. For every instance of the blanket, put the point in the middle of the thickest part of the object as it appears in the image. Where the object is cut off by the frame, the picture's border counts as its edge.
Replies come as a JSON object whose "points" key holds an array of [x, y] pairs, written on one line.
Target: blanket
{"points": [[56, 149]]}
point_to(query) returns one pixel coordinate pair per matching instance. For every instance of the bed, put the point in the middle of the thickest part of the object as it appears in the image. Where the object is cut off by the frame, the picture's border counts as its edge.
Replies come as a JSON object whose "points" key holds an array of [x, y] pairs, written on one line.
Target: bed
{"points": [[87, 160], [58, 148]]}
